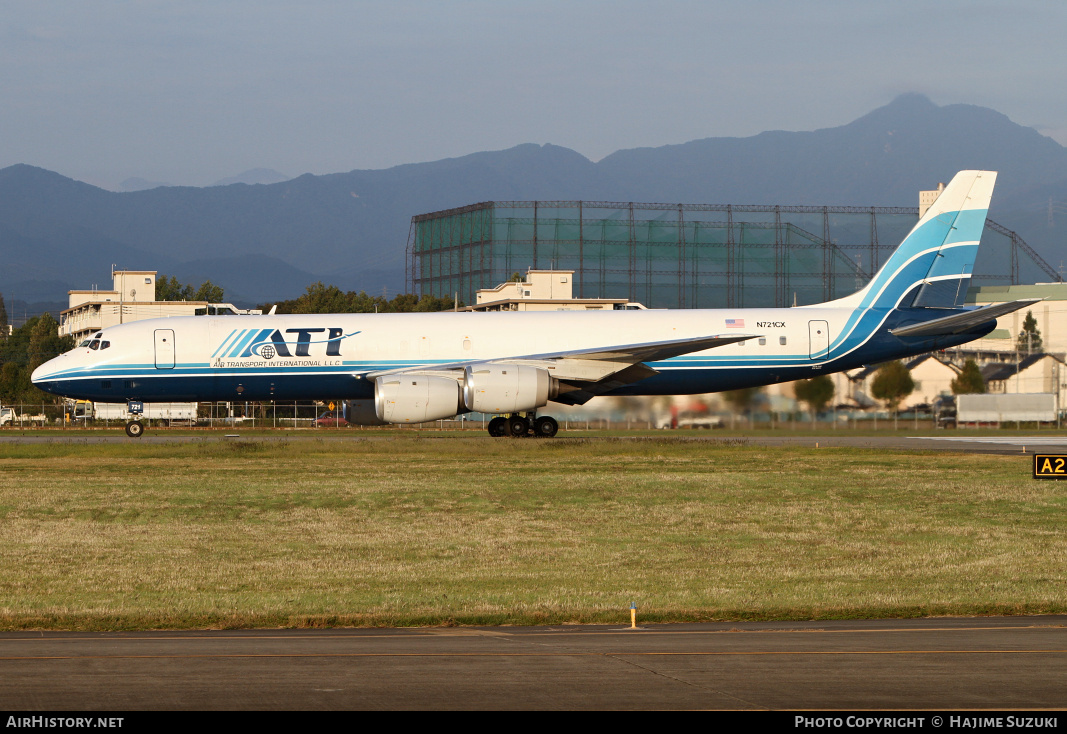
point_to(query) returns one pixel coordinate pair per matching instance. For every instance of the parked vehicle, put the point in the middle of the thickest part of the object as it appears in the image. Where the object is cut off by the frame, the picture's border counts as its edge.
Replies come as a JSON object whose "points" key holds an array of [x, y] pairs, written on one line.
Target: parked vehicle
{"points": [[332, 418], [945, 411], [999, 408], [170, 413], [704, 420], [8, 416]]}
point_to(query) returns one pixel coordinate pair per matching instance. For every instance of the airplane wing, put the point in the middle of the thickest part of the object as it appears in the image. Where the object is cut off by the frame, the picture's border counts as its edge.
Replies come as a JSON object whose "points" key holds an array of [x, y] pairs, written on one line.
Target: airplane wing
{"points": [[586, 371], [961, 322]]}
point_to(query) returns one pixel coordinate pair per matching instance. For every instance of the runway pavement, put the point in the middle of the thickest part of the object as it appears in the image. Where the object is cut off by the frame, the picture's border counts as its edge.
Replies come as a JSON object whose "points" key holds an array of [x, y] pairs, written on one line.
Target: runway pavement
{"points": [[950, 663], [960, 442], [956, 443]]}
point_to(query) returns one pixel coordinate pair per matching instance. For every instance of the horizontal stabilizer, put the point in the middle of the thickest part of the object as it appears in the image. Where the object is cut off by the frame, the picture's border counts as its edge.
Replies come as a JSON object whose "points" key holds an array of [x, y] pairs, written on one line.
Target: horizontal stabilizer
{"points": [[961, 322]]}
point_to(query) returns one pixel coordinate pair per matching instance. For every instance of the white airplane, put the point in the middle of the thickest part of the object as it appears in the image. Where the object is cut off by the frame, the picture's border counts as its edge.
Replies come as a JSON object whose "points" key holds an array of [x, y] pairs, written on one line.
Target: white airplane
{"points": [[412, 368]]}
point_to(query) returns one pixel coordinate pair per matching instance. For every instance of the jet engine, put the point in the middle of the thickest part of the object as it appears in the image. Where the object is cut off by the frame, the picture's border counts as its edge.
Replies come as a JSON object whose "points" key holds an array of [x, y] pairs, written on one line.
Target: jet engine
{"points": [[416, 398], [507, 388]]}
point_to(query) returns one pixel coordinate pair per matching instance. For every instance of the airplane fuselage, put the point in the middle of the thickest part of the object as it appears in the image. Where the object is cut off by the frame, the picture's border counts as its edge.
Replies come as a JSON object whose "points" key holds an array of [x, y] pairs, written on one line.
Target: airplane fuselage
{"points": [[297, 357]]}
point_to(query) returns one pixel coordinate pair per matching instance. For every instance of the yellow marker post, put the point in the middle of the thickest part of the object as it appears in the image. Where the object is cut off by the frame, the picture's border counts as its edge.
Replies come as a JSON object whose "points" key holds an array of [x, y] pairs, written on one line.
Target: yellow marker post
{"points": [[633, 615]]}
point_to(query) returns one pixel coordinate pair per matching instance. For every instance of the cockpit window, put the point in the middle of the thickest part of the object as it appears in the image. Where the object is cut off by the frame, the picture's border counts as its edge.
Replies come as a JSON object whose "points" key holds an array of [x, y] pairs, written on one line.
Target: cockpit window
{"points": [[87, 342], [105, 345], [94, 344]]}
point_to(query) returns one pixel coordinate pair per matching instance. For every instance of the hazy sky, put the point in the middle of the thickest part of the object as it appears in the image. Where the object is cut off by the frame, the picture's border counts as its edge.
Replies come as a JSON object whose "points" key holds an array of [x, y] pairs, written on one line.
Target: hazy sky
{"points": [[190, 92]]}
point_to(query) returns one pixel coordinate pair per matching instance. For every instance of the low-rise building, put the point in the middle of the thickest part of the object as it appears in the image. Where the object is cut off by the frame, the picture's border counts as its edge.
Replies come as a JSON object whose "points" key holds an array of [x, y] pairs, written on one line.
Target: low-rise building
{"points": [[1050, 313], [543, 290], [931, 374], [1033, 373], [132, 298]]}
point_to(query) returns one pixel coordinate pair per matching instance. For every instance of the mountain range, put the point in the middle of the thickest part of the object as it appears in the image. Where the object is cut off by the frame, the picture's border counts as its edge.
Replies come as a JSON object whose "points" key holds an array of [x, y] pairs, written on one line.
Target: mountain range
{"points": [[267, 241]]}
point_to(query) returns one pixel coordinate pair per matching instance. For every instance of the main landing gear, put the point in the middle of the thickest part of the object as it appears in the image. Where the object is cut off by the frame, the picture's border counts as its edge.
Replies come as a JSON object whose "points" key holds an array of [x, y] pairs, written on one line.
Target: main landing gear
{"points": [[518, 426]]}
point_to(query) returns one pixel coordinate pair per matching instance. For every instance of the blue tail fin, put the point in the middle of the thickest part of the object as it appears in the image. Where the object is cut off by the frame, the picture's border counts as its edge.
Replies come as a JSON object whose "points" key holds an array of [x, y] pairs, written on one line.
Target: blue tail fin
{"points": [[932, 266]]}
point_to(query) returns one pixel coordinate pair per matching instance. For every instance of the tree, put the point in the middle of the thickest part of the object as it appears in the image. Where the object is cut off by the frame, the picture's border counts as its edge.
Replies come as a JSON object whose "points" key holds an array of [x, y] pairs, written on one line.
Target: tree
{"points": [[742, 400], [892, 383], [170, 289], [45, 341], [209, 292], [29, 346], [969, 380], [816, 392], [1029, 340], [430, 303], [14, 382], [321, 298]]}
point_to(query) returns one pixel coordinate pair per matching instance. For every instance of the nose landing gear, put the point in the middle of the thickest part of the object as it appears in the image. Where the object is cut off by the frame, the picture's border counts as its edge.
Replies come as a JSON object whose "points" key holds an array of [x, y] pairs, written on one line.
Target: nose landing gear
{"points": [[134, 426], [518, 426]]}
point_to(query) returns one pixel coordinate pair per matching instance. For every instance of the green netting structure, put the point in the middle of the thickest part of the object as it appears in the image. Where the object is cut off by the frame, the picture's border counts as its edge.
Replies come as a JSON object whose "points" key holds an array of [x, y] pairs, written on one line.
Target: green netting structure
{"points": [[682, 255]]}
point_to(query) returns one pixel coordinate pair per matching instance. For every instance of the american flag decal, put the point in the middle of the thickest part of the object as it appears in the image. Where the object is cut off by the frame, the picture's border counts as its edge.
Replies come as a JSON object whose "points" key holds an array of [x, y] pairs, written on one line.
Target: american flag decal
{"points": [[735, 323]]}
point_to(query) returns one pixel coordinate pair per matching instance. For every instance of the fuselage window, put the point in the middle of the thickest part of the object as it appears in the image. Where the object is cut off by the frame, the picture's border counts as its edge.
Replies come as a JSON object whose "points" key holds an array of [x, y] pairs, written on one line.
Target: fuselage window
{"points": [[781, 340], [763, 341]]}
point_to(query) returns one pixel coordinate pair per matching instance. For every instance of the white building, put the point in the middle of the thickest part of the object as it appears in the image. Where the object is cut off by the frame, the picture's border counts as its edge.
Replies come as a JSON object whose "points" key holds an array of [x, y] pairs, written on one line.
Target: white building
{"points": [[1051, 315], [1031, 374], [932, 377], [542, 290], [927, 198], [132, 298]]}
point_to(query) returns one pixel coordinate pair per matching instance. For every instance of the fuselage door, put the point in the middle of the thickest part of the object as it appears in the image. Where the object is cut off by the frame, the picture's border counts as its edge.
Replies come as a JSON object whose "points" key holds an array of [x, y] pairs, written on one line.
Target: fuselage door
{"points": [[164, 349], [818, 339]]}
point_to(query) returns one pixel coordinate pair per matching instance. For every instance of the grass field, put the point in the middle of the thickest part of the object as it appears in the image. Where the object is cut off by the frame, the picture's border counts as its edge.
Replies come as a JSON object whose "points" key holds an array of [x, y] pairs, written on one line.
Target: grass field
{"points": [[350, 530]]}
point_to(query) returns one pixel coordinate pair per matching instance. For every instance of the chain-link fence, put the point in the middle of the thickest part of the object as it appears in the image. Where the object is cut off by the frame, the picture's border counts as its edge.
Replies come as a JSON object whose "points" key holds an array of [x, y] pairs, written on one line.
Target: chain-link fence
{"points": [[318, 416]]}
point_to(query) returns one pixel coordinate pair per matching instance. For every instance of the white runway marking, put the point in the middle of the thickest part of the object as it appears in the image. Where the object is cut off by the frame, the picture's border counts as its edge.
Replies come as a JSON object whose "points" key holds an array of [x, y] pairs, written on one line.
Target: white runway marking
{"points": [[1012, 440]]}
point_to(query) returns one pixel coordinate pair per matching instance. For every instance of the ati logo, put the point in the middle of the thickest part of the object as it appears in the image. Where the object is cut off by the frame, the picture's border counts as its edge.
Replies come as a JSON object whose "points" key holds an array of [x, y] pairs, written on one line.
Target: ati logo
{"points": [[270, 343]]}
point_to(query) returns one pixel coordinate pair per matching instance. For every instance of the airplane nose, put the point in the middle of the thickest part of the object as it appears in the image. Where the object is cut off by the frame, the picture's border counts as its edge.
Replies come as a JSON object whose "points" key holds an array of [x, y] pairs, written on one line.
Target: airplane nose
{"points": [[41, 374]]}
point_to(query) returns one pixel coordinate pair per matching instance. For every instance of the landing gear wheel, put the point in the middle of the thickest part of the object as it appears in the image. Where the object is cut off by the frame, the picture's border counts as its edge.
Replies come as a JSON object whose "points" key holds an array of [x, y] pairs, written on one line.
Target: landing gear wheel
{"points": [[546, 427], [498, 426], [517, 426], [134, 429]]}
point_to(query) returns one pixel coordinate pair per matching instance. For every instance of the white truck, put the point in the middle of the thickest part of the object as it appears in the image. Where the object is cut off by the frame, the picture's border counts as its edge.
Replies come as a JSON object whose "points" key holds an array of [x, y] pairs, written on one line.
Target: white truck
{"points": [[1001, 407], [693, 420], [169, 412], [8, 417]]}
